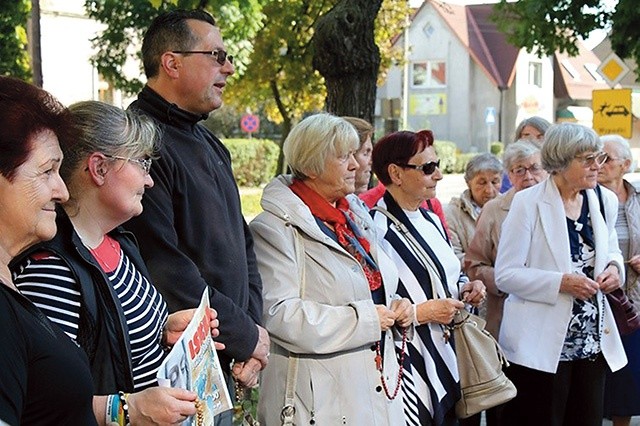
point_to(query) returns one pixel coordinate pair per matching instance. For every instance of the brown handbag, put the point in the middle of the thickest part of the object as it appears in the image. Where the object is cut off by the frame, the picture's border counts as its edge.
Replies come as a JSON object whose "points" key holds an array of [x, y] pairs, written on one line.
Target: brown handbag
{"points": [[624, 312]]}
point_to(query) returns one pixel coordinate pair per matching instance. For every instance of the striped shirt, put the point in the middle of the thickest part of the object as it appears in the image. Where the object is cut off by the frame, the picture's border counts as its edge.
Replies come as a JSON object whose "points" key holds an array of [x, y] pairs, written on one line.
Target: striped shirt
{"points": [[47, 280]]}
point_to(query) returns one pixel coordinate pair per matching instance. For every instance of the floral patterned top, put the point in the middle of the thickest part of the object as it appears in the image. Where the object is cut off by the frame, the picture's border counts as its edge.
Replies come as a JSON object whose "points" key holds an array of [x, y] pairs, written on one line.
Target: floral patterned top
{"points": [[583, 334]]}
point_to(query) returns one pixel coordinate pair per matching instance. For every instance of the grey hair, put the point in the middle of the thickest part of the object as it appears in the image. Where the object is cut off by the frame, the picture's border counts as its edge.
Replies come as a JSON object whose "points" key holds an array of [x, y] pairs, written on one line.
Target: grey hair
{"points": [[482, 163], [622, 147], [518, 151], [563, 142], [110, 130], [314, 139], [536, 122]]}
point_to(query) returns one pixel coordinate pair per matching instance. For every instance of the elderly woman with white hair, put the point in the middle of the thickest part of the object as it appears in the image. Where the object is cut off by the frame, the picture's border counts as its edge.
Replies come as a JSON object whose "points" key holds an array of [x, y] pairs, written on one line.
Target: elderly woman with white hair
{"points": [[622, 390], [483, 176], [522, 163], [329, 292], [557, 257]]}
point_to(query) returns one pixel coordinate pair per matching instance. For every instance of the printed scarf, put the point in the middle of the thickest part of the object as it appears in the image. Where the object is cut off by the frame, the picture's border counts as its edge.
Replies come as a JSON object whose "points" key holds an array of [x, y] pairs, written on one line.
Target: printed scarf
{"points": [[341, 219]]}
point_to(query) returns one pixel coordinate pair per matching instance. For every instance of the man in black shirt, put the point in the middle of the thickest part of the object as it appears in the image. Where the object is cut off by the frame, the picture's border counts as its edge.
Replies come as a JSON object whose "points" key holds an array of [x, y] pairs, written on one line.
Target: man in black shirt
{"points": [[192, 233]]}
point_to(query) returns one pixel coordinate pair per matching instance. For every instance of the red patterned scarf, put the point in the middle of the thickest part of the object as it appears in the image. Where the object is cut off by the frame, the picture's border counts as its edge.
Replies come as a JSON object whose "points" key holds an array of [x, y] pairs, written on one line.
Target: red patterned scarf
{"points": [[336, 218]]}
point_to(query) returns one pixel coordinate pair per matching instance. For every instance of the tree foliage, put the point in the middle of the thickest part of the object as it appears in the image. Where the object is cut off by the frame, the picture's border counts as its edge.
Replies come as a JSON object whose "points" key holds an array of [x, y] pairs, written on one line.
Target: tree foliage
{"points": [[281, 80], [126, 22], [14, 57], [557, 25]]}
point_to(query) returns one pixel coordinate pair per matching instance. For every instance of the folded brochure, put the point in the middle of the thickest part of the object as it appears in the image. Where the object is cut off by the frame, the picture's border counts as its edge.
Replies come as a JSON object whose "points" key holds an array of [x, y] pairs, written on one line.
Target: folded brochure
{"points": [[193, 364]]}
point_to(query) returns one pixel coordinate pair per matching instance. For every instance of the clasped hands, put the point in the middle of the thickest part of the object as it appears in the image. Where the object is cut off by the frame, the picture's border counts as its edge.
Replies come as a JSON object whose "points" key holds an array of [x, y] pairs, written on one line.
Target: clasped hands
{"points": [[400, 313], [246, 373], [583, 288]]}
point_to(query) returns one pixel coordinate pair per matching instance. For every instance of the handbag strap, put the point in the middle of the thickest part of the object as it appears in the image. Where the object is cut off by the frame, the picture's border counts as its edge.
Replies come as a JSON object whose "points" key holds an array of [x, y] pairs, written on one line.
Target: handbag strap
{"points": [[418, 250], [289, 410]]}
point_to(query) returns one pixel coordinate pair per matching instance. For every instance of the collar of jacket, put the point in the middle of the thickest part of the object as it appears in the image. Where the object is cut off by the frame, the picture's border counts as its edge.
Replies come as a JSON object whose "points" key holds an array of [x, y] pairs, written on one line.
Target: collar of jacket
{"points": [[279, 200], [150, 101]]}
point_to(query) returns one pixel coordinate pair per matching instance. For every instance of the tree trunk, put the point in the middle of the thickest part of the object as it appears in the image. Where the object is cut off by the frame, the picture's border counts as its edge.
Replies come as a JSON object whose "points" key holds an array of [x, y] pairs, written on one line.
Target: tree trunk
{"points": [[286, 126], [33, 35], [346, 55]]}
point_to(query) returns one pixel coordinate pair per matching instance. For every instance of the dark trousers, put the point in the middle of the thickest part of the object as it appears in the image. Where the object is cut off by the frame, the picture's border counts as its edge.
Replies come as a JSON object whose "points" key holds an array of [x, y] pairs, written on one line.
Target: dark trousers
{"points": [[573, 396]]}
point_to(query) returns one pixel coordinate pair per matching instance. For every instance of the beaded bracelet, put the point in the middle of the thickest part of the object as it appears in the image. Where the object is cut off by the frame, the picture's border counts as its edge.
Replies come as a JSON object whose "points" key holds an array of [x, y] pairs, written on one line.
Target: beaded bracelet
{"points": [[125, 408]]}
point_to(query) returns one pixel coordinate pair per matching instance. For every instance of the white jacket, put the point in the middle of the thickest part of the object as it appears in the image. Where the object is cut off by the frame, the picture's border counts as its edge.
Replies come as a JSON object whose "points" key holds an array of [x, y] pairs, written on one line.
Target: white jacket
{"points": [[533, 254]]}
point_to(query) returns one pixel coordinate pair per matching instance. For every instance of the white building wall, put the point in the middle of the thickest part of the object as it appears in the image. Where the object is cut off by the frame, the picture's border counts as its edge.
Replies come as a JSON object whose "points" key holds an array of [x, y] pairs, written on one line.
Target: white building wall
{"points": [[530, 99], [66, 49], [467, 94]]}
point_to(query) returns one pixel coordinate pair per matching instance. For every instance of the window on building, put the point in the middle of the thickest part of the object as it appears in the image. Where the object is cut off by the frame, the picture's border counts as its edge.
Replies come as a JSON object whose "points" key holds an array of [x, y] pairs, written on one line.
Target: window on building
{"points": [[535, 74], [429, 74]]}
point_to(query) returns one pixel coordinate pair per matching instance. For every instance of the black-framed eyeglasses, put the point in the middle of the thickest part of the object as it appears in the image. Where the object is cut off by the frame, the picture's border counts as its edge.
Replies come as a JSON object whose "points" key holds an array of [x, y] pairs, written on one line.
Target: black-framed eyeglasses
{"points": [[534, 169], [598, 158], [426, 168], [219, 55], [144, 163]]}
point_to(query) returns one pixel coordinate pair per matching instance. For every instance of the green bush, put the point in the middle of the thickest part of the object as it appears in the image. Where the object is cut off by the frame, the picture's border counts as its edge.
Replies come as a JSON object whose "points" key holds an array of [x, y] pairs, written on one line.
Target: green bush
{"points": [[462, 160], [254, 161], [447, 152], [497, 149]]}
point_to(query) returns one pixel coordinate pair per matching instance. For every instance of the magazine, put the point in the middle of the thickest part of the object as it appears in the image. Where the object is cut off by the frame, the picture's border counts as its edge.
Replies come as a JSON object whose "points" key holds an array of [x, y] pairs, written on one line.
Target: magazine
{"points": [[193, 364]]}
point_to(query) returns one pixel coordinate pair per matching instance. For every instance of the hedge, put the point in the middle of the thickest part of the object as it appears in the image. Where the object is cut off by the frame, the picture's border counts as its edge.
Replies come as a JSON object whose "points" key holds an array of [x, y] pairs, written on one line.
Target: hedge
{"points": [[254, 161]]}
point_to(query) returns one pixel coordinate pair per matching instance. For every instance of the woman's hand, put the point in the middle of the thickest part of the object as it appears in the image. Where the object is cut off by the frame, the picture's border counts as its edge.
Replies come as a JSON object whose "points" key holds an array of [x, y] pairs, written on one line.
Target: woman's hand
{"points": [[578, 286], [609, 279], [178, 321], [386, 316], [161, 406], [474, 292], [440, 311], [404, 312], [634, 262]]}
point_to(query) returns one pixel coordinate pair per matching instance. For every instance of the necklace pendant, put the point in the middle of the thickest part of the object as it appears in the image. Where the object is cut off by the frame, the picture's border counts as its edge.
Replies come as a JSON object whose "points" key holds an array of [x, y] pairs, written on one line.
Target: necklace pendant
{"points": [[378, 362], [446, 335]]}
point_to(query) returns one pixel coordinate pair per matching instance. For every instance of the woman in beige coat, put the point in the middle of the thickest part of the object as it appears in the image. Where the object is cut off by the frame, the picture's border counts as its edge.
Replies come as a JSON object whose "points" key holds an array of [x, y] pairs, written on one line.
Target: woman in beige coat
{"points": [[329, 292], [483, 176]]}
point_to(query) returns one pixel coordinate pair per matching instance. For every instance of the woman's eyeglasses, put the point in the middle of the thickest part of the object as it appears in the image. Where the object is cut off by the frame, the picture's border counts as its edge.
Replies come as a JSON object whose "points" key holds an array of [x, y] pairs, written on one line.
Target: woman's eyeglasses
{"points": [[598, 158], [218, 54], [144, 163], [426, 168], [534, 169]]}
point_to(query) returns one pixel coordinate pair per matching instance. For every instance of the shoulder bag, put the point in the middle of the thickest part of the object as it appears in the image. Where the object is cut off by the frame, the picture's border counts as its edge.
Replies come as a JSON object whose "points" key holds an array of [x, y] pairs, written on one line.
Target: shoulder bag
{"points": [[483, 384], [624, 311], [288, 409]]}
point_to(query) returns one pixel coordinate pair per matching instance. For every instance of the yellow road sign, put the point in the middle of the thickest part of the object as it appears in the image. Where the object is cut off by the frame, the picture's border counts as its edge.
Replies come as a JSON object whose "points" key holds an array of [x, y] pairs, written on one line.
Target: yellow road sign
{"points": [[612, 112]]}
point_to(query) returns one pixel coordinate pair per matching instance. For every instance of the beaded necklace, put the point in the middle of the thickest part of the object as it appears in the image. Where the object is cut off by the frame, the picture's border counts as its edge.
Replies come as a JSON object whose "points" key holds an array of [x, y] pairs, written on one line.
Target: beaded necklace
{"points": [[379, 360]]}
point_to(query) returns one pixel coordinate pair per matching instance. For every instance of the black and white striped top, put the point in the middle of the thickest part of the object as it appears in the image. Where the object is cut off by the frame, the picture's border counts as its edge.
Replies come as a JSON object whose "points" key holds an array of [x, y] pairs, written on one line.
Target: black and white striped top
{"points": [[48, 282]]}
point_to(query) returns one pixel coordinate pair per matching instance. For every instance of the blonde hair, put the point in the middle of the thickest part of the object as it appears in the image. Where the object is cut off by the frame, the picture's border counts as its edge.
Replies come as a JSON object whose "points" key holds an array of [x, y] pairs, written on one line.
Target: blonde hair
{"points": [[314, 139], [363, 127]]}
